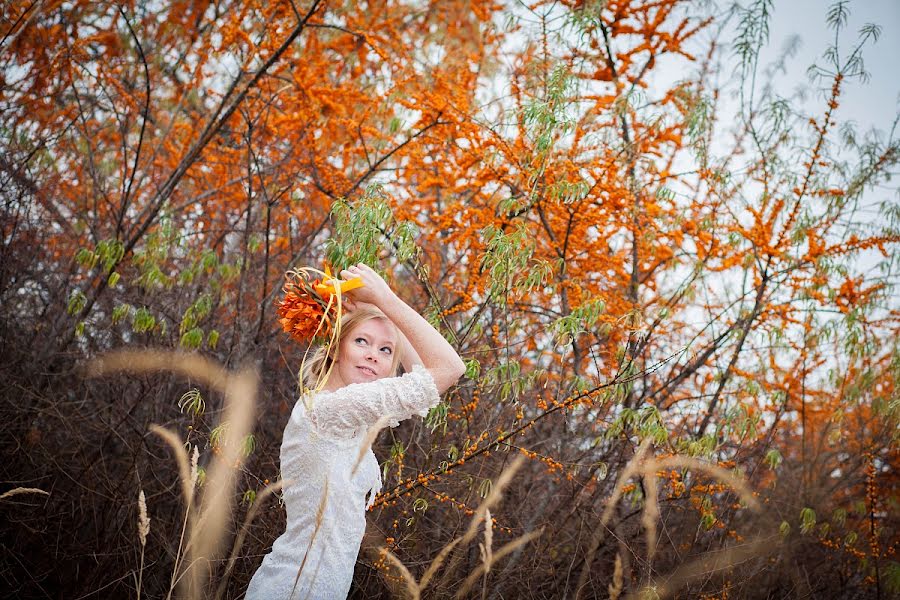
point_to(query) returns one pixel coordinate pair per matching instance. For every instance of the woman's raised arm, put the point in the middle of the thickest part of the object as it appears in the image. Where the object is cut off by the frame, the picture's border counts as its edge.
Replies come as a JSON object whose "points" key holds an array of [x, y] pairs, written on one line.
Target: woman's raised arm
{"points": [[435, 353]]}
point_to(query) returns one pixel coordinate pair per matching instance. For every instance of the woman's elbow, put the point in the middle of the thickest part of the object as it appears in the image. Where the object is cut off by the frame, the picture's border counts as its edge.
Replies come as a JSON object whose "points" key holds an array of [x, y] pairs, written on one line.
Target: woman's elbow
{"points": [[446, 377]]}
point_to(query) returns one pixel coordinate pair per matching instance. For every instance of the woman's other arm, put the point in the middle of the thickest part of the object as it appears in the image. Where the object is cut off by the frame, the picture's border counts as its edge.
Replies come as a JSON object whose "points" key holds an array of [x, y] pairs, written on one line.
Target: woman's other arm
{"points": [[430, 349]]}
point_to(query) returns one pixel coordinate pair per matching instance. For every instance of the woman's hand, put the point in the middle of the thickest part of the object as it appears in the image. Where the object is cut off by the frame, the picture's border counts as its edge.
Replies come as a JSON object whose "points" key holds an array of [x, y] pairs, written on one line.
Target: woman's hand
{"points": [[374, 290]]}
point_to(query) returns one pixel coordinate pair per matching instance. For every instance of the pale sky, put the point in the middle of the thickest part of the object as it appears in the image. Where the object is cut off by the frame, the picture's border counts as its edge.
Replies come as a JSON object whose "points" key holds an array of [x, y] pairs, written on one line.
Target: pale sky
{"points": [[873, 104]]}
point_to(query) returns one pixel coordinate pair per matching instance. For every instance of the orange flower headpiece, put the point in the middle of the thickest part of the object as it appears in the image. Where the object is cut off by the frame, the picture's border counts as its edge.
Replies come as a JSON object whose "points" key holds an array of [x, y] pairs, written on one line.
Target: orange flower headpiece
{"points": [[312, 307]]}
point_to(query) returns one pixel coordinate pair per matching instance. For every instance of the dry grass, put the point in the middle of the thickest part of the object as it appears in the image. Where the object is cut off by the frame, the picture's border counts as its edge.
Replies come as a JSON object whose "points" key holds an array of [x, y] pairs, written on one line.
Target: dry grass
{"points": [[205, 522], [22, 490], [320, 516], [648, 469], [615, 588], [143, 532], [415, 588]]}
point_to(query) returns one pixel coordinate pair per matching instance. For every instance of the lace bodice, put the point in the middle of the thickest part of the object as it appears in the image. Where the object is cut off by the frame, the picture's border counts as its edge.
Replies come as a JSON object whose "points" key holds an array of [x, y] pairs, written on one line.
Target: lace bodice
{"points": [[321, 443]]}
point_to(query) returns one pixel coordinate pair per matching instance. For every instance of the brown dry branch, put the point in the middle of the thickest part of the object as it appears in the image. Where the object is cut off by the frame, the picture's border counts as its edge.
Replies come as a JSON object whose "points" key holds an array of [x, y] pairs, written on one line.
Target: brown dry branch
{"points": [[648, 469], [482, 513], [716, 472]]}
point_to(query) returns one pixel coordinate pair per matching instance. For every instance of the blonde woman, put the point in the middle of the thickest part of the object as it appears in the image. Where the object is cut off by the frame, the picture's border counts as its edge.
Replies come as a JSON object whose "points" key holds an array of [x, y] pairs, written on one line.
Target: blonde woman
{"points": [[325, 433]]}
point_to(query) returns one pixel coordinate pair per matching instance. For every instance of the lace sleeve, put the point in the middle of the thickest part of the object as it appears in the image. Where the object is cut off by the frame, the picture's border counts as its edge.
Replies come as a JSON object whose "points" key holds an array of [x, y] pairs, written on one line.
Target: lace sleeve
{"points": [[349, 411]]}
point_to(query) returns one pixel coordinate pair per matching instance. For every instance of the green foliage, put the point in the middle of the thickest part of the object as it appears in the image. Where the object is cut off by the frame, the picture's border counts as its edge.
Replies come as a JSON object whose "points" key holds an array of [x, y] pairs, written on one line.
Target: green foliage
{"points": [[506, 257], [192, 339], [398, 451], [120, 312], [645, 422], [142, 321], [485, 488], [807, 520], [509, 381], [192, 402], [248, 445], [784, 529], [212, 339], [892, 578], [568, 192], [363, 229], [839, 517], [473, 368], [582, 319], [108, 253], [195, 313], [76, 302], [217, 434], [546, 120], [753, 32], [437, 418], [773, 458]]}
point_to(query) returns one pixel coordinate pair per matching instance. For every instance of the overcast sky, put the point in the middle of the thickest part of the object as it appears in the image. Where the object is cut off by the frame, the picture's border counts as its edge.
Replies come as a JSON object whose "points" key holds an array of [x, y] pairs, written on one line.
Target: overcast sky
{"points": [[871, 105]]}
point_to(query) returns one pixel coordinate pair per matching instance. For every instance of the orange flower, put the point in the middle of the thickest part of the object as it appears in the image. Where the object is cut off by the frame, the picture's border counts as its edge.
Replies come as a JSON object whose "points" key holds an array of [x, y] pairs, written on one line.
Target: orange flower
{"points": [[309, 309]]}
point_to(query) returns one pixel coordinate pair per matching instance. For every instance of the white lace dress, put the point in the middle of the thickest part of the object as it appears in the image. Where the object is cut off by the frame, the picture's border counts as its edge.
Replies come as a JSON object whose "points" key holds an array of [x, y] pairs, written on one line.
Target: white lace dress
{"points": [[320, 446]]}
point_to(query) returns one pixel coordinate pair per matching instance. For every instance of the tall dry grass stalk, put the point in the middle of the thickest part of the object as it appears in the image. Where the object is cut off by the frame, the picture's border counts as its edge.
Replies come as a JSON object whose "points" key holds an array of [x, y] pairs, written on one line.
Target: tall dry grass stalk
{"points": [[600, 532], [707, 566], [368, 440], [242, 534], [615, 588], [482, 514], [187, 491], [648, 469], [320, 517], [22, 490], [143, 532], [206, 523]]}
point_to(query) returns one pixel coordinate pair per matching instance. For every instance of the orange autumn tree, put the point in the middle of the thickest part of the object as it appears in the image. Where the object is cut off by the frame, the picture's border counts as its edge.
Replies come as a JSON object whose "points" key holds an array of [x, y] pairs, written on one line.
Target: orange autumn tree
{"points": [[614, 262]]}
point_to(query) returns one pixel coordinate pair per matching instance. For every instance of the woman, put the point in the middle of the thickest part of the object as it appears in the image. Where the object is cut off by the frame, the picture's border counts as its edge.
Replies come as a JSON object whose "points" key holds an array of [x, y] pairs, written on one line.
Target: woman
{"points": [[315, 557]]}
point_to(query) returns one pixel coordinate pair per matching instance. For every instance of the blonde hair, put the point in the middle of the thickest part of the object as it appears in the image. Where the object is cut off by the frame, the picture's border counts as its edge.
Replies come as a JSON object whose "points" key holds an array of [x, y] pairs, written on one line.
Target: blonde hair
{"points": [[320, 359]]}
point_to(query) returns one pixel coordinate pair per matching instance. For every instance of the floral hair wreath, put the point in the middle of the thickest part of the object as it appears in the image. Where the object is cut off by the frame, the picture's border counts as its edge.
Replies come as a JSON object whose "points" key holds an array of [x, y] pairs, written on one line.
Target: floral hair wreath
{"points": [[311, 309]]}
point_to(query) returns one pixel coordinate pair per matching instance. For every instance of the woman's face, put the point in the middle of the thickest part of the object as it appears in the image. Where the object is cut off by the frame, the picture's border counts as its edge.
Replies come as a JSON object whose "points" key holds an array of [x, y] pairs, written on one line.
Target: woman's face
{"points": [[367, 352]]}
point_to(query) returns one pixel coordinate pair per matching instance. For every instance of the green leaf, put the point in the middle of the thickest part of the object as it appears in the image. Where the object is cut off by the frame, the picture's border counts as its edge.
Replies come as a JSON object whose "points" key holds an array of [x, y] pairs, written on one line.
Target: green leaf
{"points": [[773, 458], [142, 320], [192, 339], [248, 445], [191, 401], [76, 302], [807, 520], [120, 312], [784, 529]]}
